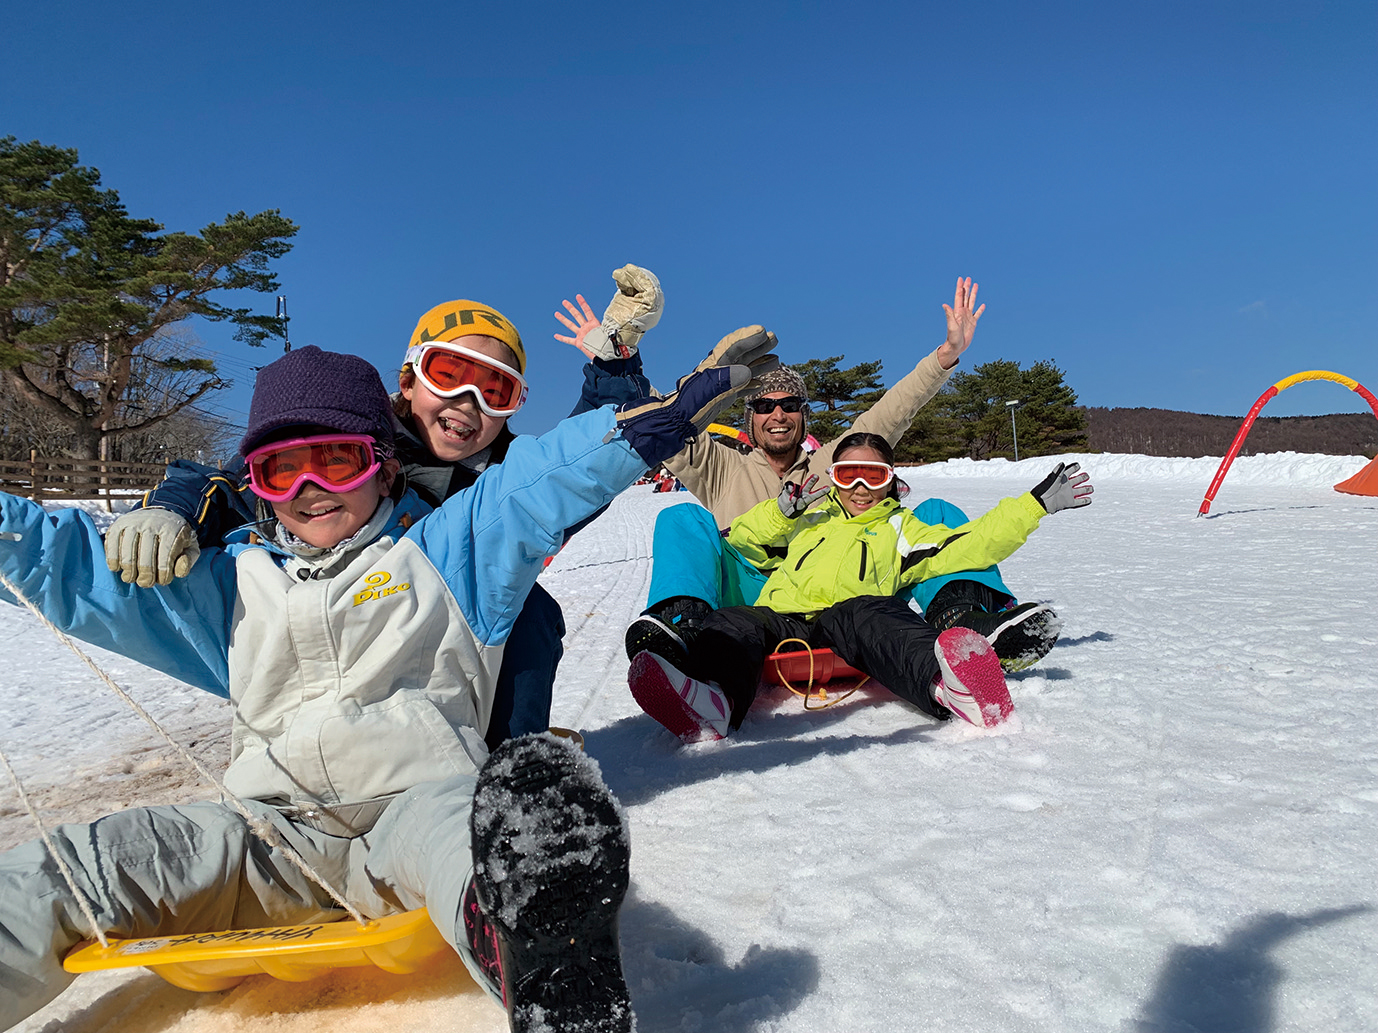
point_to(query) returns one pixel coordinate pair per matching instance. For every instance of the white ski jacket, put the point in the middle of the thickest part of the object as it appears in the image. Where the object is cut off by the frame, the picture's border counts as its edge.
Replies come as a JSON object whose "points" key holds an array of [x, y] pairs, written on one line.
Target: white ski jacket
{"points": [[358, 673]]}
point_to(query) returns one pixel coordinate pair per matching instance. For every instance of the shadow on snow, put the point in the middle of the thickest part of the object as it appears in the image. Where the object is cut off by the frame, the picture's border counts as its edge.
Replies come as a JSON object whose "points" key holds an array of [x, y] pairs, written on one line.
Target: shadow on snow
{"points": [[1229, 987], [679, 978]]}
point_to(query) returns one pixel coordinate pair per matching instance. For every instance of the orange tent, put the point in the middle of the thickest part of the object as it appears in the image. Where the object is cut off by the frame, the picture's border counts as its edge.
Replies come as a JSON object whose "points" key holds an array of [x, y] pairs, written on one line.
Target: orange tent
{"points": [[1365, 482]]}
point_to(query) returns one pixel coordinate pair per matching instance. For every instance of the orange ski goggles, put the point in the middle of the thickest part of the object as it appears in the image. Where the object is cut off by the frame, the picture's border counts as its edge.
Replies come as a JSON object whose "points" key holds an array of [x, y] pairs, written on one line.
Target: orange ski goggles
{"points": [[450, 370], [873, 475]]}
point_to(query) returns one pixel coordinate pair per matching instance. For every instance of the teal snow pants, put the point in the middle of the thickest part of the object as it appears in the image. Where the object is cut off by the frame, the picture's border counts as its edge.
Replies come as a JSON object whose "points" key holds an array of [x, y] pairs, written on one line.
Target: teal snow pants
{"points": [[692, 558]]}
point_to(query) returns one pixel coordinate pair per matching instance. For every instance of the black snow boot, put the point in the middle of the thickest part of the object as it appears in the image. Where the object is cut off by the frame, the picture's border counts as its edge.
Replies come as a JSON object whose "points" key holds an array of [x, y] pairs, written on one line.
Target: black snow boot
{"points": [[1021, 635], [664, 628], [551, 857]]}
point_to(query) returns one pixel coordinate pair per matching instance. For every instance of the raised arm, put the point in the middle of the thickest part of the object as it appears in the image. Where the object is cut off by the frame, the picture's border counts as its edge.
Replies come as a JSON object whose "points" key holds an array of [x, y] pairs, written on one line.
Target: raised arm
{"points": [[705, 466], [489, 541], [962, 317], [891, 416], [613, 373], [931, 550]]}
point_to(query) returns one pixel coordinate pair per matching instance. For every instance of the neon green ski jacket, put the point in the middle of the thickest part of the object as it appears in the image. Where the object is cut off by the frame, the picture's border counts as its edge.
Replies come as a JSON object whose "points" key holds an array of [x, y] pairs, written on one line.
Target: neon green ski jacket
{"points": [[830, 556]]}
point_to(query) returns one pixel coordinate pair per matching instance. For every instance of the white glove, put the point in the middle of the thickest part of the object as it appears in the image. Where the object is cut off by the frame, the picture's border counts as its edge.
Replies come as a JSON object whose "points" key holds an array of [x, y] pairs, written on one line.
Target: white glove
{"points": [[634, 309], [795, 498], [151, 546], [1065, 488]]}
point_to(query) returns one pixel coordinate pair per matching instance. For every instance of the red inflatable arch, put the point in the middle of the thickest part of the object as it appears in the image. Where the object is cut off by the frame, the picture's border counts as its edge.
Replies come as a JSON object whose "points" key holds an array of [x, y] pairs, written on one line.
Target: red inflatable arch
{"points": [[1365, 482]]}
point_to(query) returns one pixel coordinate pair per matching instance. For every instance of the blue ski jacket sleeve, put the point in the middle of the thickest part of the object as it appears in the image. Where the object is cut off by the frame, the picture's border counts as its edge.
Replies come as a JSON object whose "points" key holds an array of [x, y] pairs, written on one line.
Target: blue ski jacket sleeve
{"points": [[490, 540], [58, 562], [213, 500]]}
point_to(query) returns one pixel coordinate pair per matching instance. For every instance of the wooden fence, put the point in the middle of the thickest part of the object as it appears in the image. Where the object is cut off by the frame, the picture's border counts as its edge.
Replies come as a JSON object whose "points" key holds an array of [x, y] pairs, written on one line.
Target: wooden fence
{"points": [[46, 479]]}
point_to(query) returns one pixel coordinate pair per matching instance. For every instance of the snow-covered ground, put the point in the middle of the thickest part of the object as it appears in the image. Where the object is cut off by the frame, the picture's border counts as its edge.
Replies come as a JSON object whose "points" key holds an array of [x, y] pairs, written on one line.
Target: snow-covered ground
{"points": [[1176, 832]]}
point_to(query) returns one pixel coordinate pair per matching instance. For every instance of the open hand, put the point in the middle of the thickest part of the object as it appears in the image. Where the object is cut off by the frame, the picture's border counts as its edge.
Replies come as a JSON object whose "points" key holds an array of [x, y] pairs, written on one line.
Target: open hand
{"points": [[962, 317], [1067, 487], [589, 335]]}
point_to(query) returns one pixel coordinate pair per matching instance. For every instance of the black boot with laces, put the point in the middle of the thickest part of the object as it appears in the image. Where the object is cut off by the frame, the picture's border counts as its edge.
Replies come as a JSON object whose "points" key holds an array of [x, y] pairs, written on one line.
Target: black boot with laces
{"points": [[551, 857], [663, 629]]}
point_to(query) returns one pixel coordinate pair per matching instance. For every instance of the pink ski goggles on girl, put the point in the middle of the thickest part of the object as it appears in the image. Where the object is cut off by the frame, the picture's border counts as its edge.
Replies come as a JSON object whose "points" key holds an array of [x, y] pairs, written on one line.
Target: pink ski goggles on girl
{"points": [[449, 370], [335, 462], [873, 475]]}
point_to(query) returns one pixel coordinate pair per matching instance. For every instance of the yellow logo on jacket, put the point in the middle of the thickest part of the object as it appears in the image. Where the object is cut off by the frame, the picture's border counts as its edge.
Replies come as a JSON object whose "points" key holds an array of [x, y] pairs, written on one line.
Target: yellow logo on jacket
{"points": [[376, 590]]}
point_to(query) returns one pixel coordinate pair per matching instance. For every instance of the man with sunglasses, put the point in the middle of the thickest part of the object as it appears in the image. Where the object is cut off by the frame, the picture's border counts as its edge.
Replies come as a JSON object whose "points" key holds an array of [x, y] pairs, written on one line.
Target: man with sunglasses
{"points": [[696, 571]]}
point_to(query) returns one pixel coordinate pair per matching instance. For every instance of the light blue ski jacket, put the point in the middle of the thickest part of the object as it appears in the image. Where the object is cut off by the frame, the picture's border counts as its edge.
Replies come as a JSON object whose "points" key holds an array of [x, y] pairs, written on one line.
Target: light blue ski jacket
{"points": [[357, 674]]}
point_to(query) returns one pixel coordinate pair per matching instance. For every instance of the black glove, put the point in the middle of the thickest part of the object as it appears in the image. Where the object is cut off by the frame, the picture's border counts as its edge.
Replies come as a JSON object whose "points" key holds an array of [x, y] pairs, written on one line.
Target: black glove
{"points": [[659, 428], [749, 346], [795, 498], [1065, 488]]}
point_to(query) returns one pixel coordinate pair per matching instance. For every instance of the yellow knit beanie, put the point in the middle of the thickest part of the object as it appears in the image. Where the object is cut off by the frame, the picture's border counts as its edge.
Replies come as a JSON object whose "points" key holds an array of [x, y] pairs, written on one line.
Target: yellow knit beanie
{"points": [[456, 319]]}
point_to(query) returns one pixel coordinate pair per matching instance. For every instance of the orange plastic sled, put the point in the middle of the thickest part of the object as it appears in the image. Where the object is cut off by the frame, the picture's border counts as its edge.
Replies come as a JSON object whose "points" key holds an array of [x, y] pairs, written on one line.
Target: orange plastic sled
{"points": [[217, 961], [814, 669], [820, 665]]}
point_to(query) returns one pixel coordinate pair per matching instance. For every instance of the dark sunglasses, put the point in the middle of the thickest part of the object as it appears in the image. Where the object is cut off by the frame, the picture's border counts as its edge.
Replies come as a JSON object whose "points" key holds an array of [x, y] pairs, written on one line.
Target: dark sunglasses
{"points": [[766, 406]]}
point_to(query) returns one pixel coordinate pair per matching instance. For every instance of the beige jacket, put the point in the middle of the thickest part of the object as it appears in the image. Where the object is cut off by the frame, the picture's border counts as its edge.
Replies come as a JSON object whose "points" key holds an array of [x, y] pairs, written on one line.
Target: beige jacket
{"points": [[729, 483]]}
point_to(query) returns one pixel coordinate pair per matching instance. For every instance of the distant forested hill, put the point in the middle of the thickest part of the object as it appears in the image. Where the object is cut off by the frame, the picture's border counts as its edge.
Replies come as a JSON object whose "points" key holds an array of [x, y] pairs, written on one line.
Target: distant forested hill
{"points": [[1164, 432]]}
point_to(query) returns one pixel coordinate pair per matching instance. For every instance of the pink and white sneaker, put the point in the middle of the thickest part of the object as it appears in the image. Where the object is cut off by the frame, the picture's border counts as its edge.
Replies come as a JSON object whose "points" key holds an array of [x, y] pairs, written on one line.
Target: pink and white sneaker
{"points": [[972, 682], [695, 711]]}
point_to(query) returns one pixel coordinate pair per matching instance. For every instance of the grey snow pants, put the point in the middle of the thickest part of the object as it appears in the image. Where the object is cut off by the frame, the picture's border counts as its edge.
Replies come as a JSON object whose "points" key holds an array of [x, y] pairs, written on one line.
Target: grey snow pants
{"points": [[163, 871]]}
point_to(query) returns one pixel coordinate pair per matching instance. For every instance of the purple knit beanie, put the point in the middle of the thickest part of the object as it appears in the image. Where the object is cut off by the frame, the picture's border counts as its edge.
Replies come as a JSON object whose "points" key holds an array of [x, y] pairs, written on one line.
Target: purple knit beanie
{"points": [[310, 387]]}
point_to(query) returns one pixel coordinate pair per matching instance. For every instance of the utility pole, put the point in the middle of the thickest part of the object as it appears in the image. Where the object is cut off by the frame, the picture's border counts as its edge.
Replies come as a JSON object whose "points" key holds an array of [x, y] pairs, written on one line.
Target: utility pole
{"points": [[282, 314], [1011, 406]]}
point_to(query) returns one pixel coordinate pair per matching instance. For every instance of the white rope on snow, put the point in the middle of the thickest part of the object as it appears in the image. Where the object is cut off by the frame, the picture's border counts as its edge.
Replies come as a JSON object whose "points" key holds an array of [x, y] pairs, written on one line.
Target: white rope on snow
{"points": [[262, 828]]}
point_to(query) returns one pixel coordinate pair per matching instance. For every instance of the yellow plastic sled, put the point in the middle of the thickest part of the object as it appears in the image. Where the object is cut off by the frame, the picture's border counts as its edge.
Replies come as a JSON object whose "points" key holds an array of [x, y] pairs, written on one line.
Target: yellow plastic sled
{"points": [[207, 962], [217, 961]]}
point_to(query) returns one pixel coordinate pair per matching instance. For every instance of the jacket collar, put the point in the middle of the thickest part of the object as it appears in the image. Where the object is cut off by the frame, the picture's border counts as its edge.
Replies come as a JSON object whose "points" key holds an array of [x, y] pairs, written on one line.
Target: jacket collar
{"points": [[391, 519]]}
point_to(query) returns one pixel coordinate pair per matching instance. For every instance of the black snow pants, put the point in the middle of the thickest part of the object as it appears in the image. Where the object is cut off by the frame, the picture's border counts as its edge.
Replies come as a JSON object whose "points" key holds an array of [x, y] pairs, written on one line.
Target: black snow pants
{"points": [[878, 635]]}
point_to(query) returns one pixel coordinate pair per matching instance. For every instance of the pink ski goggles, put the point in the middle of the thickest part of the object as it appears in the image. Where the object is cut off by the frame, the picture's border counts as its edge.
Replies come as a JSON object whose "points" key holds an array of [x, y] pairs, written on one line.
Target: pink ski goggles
{"points": [[335, 462]]}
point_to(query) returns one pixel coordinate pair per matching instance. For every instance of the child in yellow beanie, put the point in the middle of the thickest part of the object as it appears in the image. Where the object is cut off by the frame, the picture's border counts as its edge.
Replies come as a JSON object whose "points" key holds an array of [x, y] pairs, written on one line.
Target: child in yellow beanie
{"points": [[463, 377]]}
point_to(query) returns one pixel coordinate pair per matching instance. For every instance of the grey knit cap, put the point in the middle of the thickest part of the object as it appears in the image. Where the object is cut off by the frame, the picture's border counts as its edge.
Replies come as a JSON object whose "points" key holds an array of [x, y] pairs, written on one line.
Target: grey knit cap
{"points": [[782, 378]]}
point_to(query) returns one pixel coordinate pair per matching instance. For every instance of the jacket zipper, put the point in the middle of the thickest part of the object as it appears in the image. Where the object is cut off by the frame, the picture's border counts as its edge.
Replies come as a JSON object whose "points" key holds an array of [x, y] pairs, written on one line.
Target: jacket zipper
{"points": [[861, 575], [809, 553]]}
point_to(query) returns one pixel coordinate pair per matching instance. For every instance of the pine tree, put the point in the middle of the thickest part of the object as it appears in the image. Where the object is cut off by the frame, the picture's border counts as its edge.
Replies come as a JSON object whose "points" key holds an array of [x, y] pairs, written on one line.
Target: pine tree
{"points": [[970, 416], [85, 289], [838, 396]]}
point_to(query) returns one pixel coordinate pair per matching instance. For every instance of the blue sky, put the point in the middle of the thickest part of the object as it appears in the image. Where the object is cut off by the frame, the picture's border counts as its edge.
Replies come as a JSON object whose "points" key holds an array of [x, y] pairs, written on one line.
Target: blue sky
{"points": [[1175, 203]]}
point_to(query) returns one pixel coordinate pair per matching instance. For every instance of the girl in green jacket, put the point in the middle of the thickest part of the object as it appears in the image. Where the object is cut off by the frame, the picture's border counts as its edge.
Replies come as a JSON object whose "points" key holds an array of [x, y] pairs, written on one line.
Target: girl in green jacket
{"points": [[845, 560]]}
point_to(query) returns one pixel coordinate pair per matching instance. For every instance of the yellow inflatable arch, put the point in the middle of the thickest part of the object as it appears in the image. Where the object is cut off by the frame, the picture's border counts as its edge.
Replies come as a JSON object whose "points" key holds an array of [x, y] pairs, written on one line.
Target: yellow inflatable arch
{"points": [[1365, 482]]}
